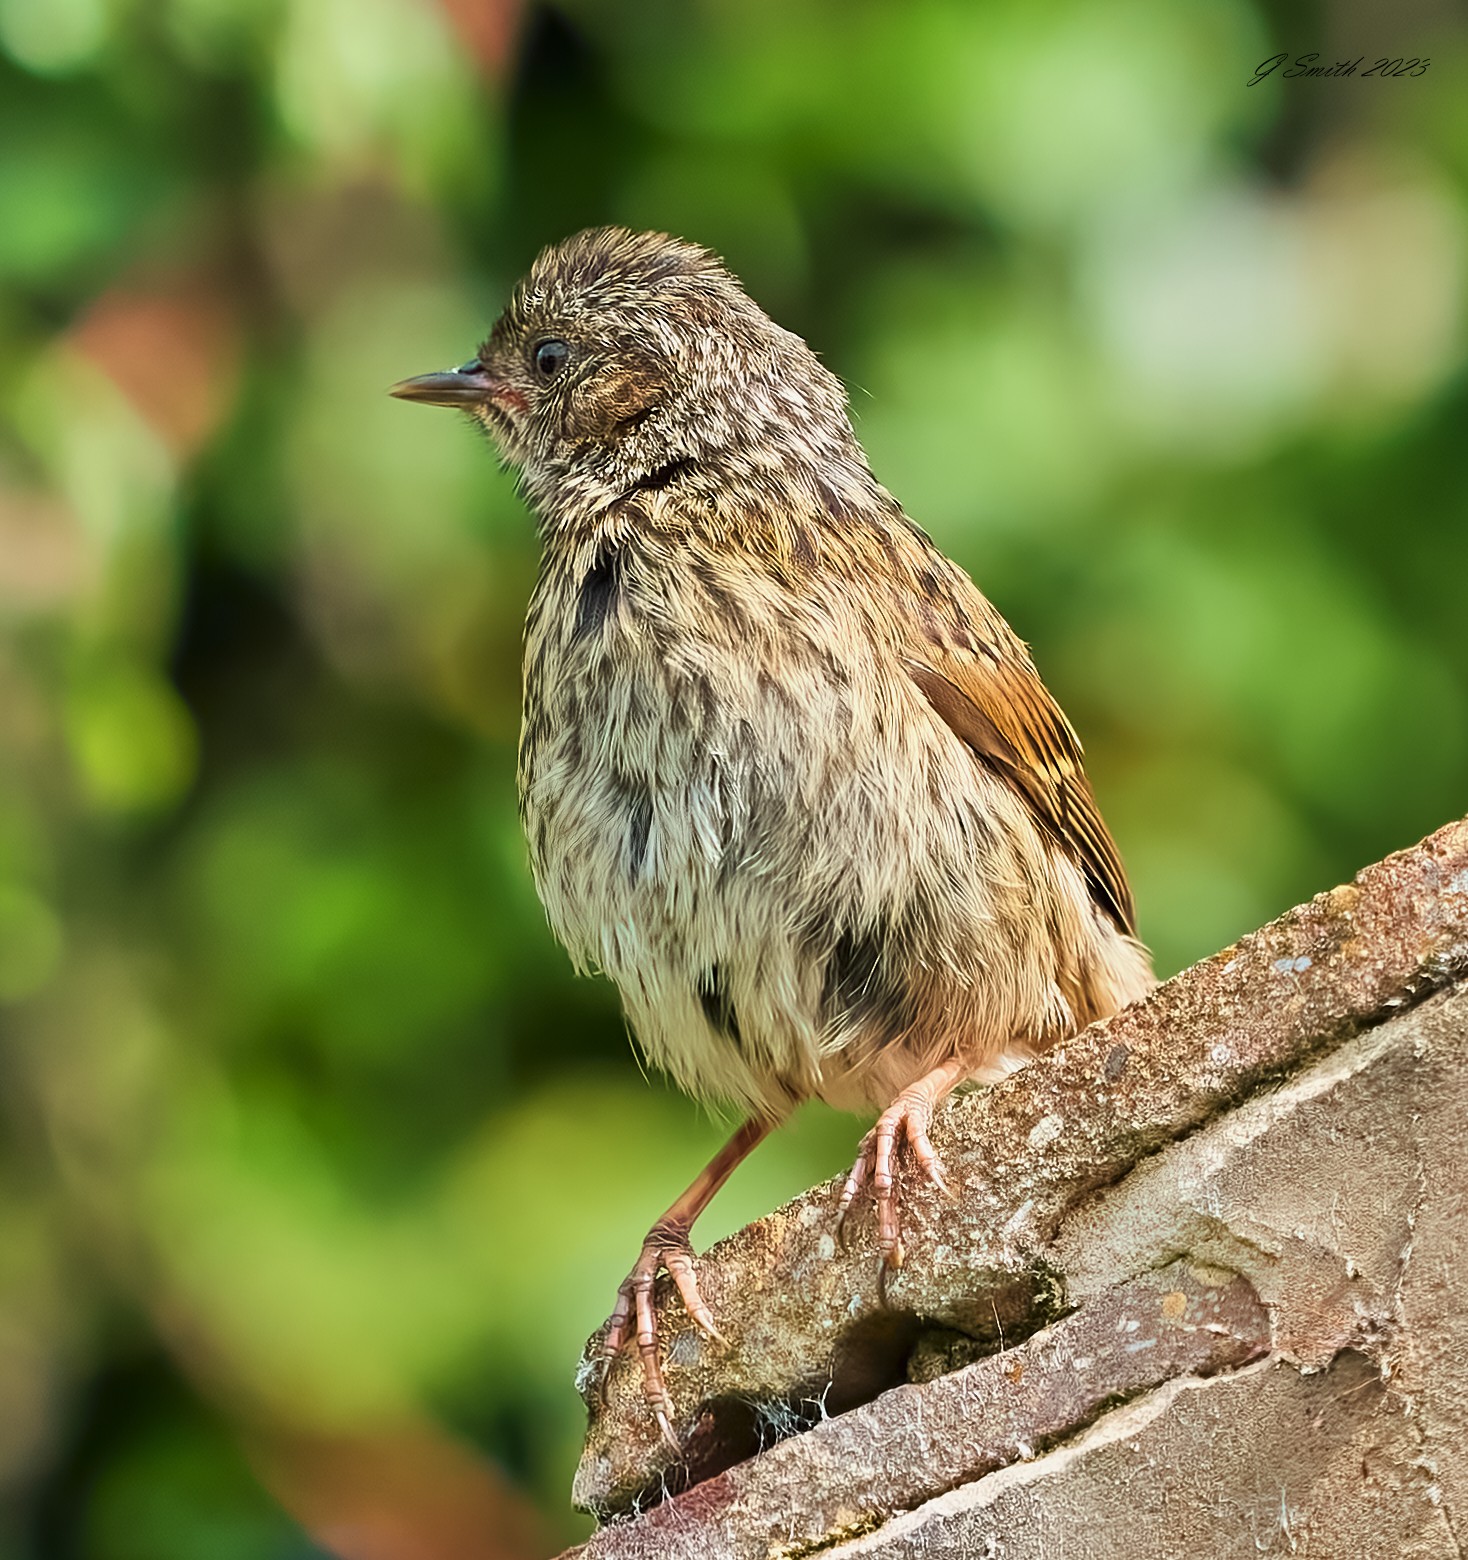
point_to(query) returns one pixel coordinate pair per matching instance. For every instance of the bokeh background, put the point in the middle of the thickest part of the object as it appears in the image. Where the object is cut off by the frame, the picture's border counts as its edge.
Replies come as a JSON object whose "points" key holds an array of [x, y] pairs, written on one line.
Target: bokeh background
{"points": [[317, 1164]]}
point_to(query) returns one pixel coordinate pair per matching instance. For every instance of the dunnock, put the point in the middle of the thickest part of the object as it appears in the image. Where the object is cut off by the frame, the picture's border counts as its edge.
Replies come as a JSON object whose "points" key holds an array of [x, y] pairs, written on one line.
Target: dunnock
{"points": [[788, 778]]}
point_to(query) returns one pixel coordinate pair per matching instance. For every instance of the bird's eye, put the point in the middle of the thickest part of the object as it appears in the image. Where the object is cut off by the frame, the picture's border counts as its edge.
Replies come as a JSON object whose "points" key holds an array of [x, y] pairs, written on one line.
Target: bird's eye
{"points": [[551, 357]]}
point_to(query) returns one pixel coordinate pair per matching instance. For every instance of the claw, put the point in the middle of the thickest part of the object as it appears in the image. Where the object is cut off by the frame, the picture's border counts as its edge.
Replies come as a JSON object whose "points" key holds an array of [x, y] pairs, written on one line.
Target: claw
{"points": [[680, 1264], [904, 1123], [860, 1172], [634, 1319]]}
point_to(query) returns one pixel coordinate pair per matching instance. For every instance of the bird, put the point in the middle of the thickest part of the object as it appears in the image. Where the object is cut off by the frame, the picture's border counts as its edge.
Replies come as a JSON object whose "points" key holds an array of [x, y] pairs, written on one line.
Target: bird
{"points": [[787, 777]]}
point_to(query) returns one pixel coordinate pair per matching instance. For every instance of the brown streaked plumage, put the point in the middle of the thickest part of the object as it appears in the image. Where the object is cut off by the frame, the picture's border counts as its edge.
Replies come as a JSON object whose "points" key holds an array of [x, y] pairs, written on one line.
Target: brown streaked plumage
{"points": [[787, 776]]}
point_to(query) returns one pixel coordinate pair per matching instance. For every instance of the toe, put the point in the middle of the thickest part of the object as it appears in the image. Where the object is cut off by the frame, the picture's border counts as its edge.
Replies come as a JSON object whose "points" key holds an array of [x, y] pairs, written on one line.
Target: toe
{"points": [[916, 1121], [685, 1276], [861, 1172], [654, 1388]]}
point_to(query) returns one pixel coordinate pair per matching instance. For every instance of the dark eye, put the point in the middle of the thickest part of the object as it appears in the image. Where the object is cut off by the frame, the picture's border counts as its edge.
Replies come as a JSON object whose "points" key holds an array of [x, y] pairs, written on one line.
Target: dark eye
{"points": [[551, 357]]}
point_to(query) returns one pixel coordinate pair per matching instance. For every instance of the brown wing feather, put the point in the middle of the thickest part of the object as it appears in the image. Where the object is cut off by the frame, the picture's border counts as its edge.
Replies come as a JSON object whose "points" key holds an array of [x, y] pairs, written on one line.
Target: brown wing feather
{"points": [[996, 703]]}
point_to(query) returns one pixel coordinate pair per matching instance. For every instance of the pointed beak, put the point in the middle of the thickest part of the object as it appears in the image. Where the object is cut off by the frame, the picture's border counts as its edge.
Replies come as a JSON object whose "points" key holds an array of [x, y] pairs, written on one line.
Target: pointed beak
{"points": [[470, 385]]}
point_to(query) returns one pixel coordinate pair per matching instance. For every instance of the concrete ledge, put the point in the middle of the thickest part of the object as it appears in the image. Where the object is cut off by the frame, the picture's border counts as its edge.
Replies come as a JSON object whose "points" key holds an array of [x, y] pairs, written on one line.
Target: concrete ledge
{"points": [[1246, 1167]]}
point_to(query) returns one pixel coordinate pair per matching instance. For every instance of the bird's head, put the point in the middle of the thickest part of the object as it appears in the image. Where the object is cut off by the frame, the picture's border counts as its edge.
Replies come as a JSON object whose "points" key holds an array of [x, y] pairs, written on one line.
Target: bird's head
{"points": [[623, 356]]}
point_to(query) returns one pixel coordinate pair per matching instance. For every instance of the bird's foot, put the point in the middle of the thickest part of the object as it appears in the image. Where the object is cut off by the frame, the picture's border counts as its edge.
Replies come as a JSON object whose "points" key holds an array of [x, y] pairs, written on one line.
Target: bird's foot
{"points": [[907, 1121], [635, 1316]]}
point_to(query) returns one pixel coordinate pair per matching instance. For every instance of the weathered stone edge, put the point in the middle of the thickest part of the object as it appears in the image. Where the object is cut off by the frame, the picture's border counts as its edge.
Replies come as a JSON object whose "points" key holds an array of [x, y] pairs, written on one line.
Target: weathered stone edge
{"points": [[1021, 1155]]}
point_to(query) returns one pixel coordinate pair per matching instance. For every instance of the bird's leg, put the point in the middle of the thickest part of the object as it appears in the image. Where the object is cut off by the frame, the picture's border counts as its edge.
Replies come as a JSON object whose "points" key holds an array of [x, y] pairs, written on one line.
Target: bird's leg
{"points": [[667, 1247], [907, 1119]]}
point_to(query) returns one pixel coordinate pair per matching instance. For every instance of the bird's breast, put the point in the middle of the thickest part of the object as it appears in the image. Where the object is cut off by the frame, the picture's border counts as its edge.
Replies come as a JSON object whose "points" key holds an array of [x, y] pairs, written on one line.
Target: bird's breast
{"points": [[669, 767], [643, 777]]}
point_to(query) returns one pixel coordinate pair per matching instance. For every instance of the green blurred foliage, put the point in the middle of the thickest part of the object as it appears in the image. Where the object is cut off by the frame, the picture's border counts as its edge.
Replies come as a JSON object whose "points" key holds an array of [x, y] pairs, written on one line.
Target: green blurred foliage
{"points": [[308, 1130]]}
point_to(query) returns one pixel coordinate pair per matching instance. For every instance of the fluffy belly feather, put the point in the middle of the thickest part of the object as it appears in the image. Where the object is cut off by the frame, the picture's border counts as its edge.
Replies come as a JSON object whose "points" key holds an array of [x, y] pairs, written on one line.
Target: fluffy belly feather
{"points": [[798, 891]]}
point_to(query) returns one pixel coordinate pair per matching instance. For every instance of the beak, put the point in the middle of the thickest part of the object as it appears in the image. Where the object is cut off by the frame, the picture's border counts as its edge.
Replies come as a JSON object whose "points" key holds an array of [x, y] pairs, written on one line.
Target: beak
{"points": [[467, 386]]}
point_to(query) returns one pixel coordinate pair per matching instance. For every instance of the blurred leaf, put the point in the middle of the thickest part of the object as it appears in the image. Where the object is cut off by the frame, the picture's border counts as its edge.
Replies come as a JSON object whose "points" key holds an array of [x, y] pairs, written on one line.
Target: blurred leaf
{"points": [[180, 1490], [30, 943], [53, 35], [130, 736]]}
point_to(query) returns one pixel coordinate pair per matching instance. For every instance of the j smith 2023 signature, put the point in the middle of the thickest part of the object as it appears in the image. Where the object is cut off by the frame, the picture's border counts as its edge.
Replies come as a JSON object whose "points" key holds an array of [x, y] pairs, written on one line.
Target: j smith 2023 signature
{"points": [[1309, 65]]}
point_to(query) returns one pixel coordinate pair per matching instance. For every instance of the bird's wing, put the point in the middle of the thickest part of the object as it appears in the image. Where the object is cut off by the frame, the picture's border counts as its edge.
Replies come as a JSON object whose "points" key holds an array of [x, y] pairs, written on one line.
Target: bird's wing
{"points": [[978, 676]]}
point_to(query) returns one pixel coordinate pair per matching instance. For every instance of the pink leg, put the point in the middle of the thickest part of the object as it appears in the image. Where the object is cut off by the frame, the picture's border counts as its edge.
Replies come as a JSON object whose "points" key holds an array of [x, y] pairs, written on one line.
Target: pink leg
{"points": [[907, 1119], [666, 1246]]}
